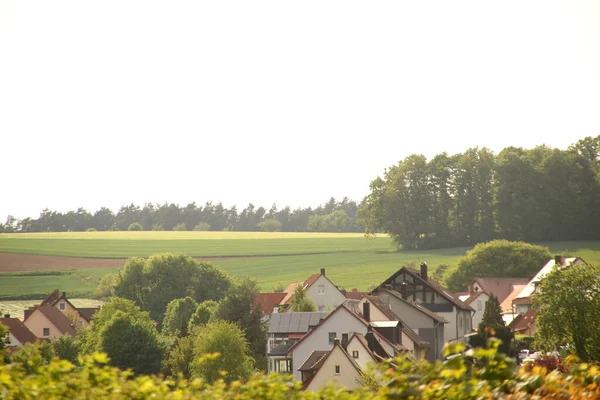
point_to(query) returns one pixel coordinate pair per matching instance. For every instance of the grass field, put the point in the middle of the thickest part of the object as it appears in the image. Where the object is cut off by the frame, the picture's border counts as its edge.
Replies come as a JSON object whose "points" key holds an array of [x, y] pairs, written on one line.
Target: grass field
{"points": [[351, 260]]}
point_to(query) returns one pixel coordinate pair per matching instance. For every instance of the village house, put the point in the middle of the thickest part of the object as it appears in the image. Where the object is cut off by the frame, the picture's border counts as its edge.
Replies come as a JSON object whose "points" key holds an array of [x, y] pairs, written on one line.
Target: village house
{"points": [[523, 301], [283, 331], [47, 322], [524, 324], [269, 302], [319, 289], [18, 333], [80, 317], [418, 288], [379, 312], [481, 289], [341, 323]]}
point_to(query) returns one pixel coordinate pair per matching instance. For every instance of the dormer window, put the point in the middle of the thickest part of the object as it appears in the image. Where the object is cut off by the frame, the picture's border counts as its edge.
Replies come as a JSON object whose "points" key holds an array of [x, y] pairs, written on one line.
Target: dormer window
{"points": [[62, 306]]}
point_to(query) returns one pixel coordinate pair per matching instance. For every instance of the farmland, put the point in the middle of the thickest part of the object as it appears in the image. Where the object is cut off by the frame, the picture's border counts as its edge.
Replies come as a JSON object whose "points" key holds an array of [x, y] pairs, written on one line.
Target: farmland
{"points": [[274, 259]]}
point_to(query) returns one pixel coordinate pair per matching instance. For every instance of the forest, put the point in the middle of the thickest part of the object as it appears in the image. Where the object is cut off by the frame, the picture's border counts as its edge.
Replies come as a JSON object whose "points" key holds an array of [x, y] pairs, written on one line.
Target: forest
{"points": [[533, 195]]}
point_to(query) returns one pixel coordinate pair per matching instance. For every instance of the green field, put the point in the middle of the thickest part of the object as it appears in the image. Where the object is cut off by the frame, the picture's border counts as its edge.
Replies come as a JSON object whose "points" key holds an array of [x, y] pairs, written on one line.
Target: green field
{"points": [[351, 260]]}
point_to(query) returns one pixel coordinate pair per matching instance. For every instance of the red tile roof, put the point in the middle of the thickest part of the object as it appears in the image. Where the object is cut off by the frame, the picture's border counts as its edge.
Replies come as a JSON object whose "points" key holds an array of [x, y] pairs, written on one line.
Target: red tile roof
{"points": [[499, 287], [268, 300], [18, 330], [58, 319], [311, 279], [522, 322]]}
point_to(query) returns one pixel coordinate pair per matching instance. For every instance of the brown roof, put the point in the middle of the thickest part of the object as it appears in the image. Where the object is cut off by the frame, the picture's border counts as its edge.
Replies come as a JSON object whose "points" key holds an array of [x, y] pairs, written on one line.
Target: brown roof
{"points": [[313, 361], [311, 279], [88, 313], [317, 365], [18, 330], [355, 294], [51, 299], [523, 321], [499, 287], [506, 305], [416, 305], [268, 300], [58, 319]]}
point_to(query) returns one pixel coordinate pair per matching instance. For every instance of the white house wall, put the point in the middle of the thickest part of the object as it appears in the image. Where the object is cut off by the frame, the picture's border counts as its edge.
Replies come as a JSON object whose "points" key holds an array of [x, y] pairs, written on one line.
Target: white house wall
{"points": [[479, 305], [364, 356], [329, 299], [340, 322], [347, 378]]}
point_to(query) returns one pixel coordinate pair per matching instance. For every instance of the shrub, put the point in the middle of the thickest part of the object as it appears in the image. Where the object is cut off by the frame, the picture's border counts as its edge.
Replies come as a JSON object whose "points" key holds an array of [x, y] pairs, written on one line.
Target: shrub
{"points": [[157, 227], [91, 230], [202, 226], [180, 227], [270, 225], [135, 226]]}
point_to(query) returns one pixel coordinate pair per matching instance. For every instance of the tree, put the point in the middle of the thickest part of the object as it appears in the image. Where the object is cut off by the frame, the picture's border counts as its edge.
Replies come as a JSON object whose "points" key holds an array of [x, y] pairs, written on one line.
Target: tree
{"points": [[132, 343], [135, 226], [105, 287], [162, 278], [270, 225], [300, 302], [203, 314], [181, 356], [178, 315], [202, 226], [492, 325], [66, 347], [180, 227], [497, 259], [228, 340], [238, 306], [568, 311]]}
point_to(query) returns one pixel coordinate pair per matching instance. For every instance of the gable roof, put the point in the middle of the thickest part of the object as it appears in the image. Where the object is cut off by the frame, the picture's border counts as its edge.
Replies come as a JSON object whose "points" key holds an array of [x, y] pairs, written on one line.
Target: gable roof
{"points": [[472, 297], [51, 299], [267, 301], [314, 360], [316, 367], [499, 287], [434, 285], [523, 321], [355, 294], [294, 322], [546, 269], [506, 305], [305, 284], [57, 318], [338, 309], [88, 313], [18, 330], [417, 306]]}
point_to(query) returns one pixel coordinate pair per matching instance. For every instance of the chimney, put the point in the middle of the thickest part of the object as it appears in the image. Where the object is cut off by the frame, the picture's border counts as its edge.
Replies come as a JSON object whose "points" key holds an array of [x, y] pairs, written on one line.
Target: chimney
{"points": [[367, 311], [345, 341], [6, 315], [370, 338], [354, 290], [64, 295], [558, 260], [424, 271], [336, 342], [323, 271]]}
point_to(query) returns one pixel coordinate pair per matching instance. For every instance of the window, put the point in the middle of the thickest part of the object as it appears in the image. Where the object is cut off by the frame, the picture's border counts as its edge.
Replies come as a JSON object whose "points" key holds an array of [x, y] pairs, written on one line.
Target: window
{"points": [[62, 306], [337, 369], [321, 289], [331, 337], [46, 331], [479, 305], [355, 354]]}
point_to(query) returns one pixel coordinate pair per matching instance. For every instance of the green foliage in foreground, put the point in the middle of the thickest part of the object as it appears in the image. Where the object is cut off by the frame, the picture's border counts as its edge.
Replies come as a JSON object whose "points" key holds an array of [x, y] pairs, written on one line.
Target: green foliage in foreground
{"points": [[490, 376]]}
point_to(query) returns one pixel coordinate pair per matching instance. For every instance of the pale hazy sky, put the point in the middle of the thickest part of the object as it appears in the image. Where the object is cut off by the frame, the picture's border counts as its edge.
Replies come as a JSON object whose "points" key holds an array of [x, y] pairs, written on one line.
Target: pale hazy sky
{"points": [[112, 102]]}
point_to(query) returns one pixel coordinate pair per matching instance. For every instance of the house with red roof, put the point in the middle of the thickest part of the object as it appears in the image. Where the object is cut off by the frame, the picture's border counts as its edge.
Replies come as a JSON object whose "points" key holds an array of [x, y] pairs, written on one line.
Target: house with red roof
{"points": [[269, 302], [80, 317], [320, 290], [18, 333], [47, 322]]}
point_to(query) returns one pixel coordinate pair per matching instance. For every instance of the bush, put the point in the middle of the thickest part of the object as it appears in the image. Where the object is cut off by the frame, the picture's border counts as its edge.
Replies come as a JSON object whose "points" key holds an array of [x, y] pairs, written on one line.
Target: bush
{"points": [[105, 287], [202, 226], [270, 225], [157, 227], [91, 230], [180, 227], [114, 227], [135, 226]]}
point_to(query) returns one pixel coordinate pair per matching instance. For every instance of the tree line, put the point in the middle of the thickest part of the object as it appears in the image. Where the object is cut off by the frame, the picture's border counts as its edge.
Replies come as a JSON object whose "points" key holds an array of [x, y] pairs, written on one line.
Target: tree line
{"points": [[539, 194], [333, 216]]}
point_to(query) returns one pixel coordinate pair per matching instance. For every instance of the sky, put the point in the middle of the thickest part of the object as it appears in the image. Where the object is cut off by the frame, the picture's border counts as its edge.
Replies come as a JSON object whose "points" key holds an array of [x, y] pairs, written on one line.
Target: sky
{"points": [[115, 102]]}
